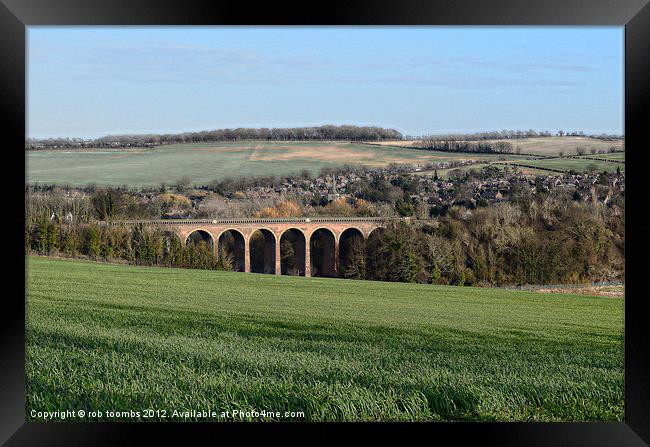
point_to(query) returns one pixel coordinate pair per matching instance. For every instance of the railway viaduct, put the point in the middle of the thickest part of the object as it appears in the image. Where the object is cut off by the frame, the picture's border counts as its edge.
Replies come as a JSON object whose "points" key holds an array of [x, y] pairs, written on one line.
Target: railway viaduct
{"points": [[264, 245]]}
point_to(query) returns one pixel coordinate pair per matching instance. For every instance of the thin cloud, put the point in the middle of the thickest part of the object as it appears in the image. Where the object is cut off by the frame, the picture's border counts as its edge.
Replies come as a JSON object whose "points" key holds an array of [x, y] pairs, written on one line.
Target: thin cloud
{"points": [[171, 63], [459, 62], [524, 65]]}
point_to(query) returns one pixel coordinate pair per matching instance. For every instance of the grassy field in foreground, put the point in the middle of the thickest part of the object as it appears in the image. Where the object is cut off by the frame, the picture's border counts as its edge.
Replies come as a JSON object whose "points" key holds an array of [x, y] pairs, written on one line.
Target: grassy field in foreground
{"points": [[114, 337]]}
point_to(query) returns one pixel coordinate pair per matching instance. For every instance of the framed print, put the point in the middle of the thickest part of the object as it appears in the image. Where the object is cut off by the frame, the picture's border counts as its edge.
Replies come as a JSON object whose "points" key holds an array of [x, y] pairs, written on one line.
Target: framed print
{"points": [[411, 216]]}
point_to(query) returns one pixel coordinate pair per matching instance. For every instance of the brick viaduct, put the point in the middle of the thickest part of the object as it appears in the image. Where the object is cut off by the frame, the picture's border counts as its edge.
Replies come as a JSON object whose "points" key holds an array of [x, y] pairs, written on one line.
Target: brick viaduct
{"points": [[317, 242]]}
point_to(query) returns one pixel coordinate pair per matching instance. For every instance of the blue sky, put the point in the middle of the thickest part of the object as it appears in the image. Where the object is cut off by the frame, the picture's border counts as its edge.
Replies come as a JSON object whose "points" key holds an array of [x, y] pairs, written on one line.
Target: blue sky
{"points": [[94, 81]]}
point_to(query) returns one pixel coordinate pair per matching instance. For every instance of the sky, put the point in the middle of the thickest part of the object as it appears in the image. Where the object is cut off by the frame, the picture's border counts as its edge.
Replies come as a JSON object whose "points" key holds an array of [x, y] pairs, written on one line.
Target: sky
{"points": [[94, 81]]}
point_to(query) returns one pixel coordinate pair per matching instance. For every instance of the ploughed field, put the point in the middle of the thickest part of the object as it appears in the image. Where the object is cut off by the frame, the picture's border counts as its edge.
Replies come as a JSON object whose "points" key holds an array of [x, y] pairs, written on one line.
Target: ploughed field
{"points": [[555, 145], [124, 338], [542, 145]]}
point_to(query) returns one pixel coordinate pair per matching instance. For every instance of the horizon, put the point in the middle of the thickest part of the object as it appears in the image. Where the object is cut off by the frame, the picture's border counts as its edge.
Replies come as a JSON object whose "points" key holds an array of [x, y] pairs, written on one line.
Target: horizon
{"points": [[92, 82], [116, 135]]}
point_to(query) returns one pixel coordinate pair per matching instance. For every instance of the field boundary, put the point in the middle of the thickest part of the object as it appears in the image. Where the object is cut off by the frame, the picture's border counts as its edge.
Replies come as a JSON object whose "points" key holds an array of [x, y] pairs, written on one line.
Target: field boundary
{"points": [[595, 159], [531, 167]]}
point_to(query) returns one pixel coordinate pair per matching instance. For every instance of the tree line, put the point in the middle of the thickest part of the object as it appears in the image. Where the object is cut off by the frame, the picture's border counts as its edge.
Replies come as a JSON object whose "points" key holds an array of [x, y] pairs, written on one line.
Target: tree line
{"points": [[492, 135], [314, 133], [319, 133], [487, 147], [138, 246], [517, 134]]}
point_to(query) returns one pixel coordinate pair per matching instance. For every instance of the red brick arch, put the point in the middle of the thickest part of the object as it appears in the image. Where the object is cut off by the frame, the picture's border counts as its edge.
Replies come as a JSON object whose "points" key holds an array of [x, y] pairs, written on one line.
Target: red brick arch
{"points": [[277, 226]]}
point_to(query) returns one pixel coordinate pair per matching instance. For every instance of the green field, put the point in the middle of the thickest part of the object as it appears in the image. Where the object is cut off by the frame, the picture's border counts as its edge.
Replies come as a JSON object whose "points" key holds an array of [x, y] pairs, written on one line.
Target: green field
{"points": [[617, 156], [575, 164], [114, 337], [204, 163]]}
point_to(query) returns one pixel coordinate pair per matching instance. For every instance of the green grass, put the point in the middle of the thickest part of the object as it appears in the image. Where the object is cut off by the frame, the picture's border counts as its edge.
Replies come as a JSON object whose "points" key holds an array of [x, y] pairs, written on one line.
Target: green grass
{"points": [[207, 162], [575, 164], [617, 156], [115, 337], [204, 163]]}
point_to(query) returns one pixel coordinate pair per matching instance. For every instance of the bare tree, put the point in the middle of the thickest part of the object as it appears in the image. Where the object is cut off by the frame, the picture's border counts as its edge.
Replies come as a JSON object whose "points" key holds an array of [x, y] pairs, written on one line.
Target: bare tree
{"points": [[184, 184]]}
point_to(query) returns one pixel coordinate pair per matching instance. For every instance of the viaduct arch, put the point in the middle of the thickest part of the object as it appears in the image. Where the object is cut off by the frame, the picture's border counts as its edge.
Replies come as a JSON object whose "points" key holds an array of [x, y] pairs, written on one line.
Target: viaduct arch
{"points": [[303, 246]]}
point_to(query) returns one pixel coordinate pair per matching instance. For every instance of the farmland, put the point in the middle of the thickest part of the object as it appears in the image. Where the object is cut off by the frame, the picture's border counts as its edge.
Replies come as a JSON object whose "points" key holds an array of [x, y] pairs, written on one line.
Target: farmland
{"points": [[568, 145], [617, 156], [204, 163], [172, 339], [578, 164], [543, 145]]}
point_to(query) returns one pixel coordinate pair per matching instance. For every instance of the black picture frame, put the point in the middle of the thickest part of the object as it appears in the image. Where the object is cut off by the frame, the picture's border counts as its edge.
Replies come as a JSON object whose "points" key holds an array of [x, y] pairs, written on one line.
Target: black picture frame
{"points": [[15, 15]]}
